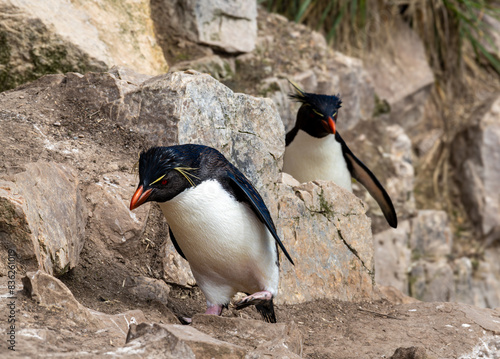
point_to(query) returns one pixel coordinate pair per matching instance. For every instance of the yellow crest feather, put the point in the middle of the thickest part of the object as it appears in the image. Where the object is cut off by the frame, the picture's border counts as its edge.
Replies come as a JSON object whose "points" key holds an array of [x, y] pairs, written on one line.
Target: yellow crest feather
{"points": [[185, 172]]}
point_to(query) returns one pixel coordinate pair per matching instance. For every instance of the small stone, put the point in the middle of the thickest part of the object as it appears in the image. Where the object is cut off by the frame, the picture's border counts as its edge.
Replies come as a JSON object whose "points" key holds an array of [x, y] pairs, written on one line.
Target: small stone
{"points": [[179, 341], [412, 353], [57, 123], [43, 197], [148, 289]]}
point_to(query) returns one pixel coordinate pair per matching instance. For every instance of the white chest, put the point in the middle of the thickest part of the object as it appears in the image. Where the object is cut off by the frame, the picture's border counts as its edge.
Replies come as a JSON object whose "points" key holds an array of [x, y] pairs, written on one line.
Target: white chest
{"points": [[309, 158], [225, 243]]}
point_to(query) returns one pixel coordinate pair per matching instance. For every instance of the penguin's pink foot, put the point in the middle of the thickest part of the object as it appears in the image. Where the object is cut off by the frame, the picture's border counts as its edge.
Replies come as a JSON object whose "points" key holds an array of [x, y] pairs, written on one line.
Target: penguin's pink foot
{"points": [[211, 309], [258, 298], [214, 309]]}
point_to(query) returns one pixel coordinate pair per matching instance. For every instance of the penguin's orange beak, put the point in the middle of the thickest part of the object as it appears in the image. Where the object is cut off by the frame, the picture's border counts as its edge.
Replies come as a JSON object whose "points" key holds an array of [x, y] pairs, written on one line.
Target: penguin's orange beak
{"points": [[329, 125], [140, 196]]}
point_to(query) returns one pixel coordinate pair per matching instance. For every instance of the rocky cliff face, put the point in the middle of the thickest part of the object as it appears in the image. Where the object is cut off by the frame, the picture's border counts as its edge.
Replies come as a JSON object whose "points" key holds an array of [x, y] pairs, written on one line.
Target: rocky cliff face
{"points": [[174, 108], [38, 38], [69, 143]]}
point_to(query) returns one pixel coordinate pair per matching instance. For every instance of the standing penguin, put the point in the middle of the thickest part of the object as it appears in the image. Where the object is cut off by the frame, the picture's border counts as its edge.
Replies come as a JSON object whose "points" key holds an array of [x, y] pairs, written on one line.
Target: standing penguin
{"points": [[315, 150], [218, 223]]}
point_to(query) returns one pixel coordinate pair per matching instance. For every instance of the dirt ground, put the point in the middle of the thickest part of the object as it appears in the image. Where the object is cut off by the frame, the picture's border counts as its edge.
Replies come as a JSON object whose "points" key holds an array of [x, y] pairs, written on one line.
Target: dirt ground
{"points": [[329, 328]]}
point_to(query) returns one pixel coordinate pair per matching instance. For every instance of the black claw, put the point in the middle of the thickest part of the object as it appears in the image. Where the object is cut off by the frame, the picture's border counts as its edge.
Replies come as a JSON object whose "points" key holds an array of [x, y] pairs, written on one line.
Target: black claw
{"points": [[264, 307]]}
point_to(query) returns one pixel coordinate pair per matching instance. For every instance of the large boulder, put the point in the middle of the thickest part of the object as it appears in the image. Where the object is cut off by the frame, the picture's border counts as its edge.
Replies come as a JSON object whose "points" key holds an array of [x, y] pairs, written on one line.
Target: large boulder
{"points": [[230, 26], [476, 156], [393, 257], [177, 341], [110, 200], [50, 292], [56, 36], [414, 257], [328, 234], [43, 216], [401, 75], [280, 340]]}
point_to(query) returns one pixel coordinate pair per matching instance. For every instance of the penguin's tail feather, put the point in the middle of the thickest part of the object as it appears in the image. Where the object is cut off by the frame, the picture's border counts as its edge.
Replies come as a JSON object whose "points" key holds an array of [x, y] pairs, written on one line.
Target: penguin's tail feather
{"points": [[267, 311]]}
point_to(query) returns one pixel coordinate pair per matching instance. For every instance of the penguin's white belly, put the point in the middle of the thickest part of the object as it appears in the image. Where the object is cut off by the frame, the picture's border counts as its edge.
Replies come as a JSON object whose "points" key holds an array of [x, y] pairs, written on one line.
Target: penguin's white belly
{"points": [[228, 248], [309, 158]]}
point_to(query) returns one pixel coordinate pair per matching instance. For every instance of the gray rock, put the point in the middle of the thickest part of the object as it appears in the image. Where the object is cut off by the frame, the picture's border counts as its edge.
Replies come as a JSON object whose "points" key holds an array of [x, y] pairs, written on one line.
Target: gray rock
{"points": [[432, 281], [324, 227], [50, 292], [175, 268], [393, 257], [46, 202], [75, 36], [278, 340], [220, 68], [349, 77], [485, 285], [146, 288], [402, 76], [176, 341], [15, 233], [412, 353], [463, 271], [110, 199], [401, 182], [414, 258], [431, 236], [476, 156], [230, 26], [395, 296]]}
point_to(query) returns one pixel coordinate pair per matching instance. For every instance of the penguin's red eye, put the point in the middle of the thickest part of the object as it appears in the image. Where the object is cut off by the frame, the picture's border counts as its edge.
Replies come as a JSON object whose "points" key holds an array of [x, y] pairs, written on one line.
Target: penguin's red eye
{"points": [[164, 182]]}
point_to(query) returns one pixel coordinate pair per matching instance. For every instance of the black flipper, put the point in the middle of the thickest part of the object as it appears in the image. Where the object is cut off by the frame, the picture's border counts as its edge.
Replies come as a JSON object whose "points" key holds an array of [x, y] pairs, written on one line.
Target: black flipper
{"points": [[362, 174], [257, 204], [174, 242]]}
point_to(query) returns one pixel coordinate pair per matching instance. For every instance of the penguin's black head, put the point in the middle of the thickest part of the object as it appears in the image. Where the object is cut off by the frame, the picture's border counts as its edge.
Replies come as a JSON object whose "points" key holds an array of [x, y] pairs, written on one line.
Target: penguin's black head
{"points": [[318, 114], [164, 172]]}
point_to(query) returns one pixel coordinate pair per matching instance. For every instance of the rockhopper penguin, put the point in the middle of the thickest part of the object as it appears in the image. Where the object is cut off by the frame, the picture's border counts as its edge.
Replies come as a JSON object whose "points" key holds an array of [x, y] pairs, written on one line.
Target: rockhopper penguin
{"points": [[314, 150], [218, 223]]}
